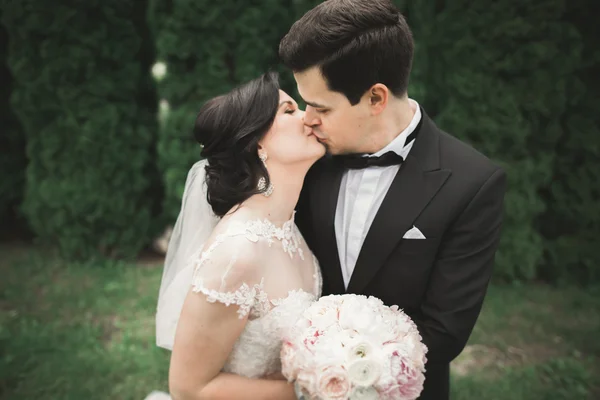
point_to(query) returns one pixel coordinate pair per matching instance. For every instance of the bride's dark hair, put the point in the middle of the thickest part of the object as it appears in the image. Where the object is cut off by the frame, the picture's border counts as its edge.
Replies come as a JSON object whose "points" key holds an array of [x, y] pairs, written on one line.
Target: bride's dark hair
{"points": [[229, 128]]}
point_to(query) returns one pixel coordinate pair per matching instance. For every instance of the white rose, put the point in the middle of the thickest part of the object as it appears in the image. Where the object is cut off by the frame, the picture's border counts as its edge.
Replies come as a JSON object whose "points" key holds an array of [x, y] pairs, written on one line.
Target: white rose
{"points": [[360, 350], [364, 393], [354, 315], [159, 70], [333, 300], [364, 372], [331, 349], [322, 317], [404, 323], [350, 301], [375, 303], [301, 324], [348, 338]]}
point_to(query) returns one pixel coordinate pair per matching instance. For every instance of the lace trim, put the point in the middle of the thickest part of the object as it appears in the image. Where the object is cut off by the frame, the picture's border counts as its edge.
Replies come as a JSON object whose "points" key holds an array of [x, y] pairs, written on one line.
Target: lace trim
{"points": [[247, 298], [287, 234], [253, 300], [253, 231]]}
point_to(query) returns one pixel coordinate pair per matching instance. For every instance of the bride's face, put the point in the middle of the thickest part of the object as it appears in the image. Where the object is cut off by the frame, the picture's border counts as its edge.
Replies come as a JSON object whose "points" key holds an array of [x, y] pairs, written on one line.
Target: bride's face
{"points": [[289, 141]]}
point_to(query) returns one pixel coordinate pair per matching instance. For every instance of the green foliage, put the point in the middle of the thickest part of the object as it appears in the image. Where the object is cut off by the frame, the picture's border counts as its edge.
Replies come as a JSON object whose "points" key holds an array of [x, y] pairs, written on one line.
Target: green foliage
{"points": [[558, 379], [418, 15], [78, 79], [88, 333], [12, 143], [208, 47], [516, 79], [493, 81], [572, 221]]}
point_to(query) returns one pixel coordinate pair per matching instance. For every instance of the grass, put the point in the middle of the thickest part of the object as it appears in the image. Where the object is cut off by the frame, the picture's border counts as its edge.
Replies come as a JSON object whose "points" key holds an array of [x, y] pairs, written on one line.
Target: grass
{"points": [[532, 342], [78, 331], [87, 332]]}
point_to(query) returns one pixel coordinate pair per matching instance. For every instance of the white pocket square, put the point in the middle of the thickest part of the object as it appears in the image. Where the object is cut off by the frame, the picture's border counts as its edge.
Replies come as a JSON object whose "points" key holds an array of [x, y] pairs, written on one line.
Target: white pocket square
{"points": [[413, 233]]}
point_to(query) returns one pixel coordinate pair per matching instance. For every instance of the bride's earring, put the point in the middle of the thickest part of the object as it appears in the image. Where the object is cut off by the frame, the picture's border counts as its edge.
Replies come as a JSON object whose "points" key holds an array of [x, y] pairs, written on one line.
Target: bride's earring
{"points": [[262, 185], [262, 182]]}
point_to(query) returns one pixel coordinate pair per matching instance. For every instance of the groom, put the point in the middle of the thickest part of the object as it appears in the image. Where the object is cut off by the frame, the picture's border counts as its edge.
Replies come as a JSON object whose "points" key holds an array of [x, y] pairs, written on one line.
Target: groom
{"points": [[400, 209]]}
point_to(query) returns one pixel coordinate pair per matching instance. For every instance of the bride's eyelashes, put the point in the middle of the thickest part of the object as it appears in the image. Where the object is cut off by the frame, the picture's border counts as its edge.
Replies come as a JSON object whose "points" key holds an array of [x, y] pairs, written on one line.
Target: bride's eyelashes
{"points": [[290, 110]]}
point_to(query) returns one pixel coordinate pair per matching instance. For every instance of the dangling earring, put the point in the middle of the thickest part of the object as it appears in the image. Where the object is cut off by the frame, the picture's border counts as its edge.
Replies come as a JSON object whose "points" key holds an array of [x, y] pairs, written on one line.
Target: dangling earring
{"points": [[262, 182]]}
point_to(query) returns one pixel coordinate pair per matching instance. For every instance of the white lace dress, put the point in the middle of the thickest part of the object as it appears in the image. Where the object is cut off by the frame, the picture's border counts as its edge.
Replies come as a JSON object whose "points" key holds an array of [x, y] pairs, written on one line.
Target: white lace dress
{"points": [[272, 295]]}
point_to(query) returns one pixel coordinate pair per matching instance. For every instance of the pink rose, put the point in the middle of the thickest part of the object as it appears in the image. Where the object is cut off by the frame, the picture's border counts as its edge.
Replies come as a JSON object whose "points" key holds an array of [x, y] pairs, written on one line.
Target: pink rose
{"points": [[413, 388], [409, 379], [312, 338], [409, 391], [333, 384]]}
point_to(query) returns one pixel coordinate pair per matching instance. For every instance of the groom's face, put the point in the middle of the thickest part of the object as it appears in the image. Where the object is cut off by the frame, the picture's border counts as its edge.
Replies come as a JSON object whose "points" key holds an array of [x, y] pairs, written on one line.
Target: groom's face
{"points": [[337, 124]]}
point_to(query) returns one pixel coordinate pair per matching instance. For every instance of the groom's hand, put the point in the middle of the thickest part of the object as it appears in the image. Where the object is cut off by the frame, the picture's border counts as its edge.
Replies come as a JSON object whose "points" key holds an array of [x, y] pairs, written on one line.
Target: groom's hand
{"points": [[461, 273]]}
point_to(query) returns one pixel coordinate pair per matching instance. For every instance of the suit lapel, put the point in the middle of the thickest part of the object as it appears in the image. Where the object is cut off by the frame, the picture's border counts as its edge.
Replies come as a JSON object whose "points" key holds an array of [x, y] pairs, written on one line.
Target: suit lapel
{"points": [[415, 184], [327, 191]]}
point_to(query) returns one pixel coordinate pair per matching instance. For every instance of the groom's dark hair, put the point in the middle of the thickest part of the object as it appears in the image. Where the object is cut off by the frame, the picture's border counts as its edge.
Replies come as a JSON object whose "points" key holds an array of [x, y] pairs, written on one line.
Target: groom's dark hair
{"points": [[355, 43]]}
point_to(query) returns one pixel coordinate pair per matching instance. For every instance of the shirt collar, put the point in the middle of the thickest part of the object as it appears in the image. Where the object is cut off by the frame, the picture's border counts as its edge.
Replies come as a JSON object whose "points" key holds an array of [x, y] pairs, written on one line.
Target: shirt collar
{"points": [[398, 145]]}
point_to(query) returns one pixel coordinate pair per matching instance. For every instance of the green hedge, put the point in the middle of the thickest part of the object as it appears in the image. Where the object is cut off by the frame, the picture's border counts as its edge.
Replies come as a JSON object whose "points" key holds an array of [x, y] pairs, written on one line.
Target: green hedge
{"points": [[418, 15], [572, 221], [78, 79], [12, 145], [207, 47], [494, 81], [512, 78]]}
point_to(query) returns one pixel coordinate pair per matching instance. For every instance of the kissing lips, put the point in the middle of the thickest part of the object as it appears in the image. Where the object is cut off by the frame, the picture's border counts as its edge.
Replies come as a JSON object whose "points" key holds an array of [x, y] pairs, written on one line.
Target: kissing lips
{"points": [[319, 138]]}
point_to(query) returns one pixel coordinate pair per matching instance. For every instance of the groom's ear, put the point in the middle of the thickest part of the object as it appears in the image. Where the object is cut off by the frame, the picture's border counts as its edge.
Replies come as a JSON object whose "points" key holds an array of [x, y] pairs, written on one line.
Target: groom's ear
{"points": [[378, 96]]}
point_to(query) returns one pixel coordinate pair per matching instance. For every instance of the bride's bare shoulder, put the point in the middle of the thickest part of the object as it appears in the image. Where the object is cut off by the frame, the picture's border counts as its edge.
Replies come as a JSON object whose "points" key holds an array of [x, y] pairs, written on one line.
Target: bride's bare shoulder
{"points": [[233, 232]]}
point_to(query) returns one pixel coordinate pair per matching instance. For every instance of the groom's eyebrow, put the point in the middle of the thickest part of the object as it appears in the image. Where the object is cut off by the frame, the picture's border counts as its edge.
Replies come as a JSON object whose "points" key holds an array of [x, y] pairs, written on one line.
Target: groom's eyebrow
{"points": [[314, 105]]}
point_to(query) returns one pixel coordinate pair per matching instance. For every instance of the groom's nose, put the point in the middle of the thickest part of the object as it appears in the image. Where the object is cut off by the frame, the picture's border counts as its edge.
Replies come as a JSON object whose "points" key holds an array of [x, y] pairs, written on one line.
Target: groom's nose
{"points": [[310, 117]]}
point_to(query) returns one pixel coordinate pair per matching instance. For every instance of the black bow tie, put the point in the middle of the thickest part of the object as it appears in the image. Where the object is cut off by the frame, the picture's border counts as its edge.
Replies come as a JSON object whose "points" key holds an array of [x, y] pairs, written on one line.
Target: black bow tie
{"points": [[358, 161]]}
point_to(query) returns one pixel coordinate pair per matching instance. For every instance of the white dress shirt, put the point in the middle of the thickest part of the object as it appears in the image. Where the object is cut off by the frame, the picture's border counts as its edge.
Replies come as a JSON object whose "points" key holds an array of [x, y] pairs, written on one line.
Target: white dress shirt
{"points": [[361, 193]]}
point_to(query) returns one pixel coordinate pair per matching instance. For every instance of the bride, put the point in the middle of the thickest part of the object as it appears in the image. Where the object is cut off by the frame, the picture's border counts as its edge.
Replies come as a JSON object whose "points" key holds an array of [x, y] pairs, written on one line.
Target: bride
{"points": [[238, 272]]}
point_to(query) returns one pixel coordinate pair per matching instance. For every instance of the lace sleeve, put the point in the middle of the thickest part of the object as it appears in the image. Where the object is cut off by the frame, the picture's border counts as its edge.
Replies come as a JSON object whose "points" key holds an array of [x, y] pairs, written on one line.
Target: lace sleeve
{"points": [[227, 272]]}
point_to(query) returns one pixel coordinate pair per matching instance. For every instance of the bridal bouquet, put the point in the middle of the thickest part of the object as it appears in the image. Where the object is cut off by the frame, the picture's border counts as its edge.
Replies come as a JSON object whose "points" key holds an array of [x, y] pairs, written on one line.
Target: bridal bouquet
{"points": [[354, 347]]}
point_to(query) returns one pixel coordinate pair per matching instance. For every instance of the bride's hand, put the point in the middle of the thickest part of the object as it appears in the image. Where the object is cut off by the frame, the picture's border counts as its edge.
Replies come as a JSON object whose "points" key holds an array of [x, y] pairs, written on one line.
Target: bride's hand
{"points": [[276, 376]]}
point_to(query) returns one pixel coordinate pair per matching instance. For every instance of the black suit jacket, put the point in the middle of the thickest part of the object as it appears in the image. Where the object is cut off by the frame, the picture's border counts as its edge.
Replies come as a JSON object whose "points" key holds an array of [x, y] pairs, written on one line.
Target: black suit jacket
{"points": [[454, 196]]}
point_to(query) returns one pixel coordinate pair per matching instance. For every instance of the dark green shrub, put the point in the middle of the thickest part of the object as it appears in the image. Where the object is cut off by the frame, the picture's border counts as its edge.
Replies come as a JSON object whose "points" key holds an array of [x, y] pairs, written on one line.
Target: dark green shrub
{"points": [[494, 81], [571, 224], [12, 148], [78, 78]]}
